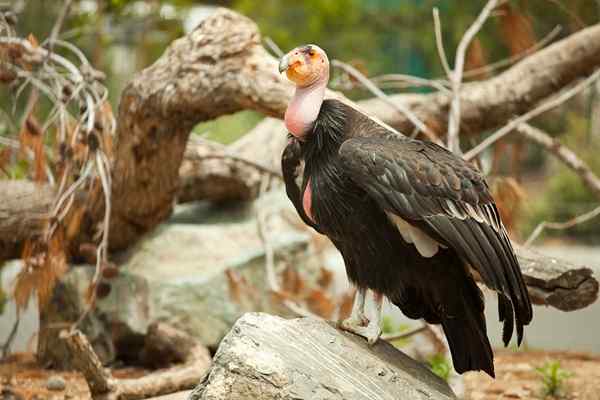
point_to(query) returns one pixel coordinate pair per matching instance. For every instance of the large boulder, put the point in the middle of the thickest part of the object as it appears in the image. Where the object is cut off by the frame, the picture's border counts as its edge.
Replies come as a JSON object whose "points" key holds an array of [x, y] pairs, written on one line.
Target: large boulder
{"points": [[204, 268], [267, 357]]}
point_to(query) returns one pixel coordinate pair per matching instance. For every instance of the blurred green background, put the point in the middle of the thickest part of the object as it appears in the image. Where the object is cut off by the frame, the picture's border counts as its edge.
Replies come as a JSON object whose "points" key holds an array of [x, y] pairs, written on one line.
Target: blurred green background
{"points": [[121, 37]]}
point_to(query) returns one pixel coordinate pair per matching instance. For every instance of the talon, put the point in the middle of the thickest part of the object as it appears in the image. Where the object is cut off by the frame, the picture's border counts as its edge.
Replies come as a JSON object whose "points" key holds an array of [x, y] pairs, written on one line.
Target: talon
{"points": [[358, 323]]}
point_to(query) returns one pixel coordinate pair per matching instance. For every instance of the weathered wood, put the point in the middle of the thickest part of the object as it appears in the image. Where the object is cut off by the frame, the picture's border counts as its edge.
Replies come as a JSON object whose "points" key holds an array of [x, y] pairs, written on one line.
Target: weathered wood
{"points": [[557, 283], [209, 173], [22, 208], [163, 343], [266, 357], [87, 362]]}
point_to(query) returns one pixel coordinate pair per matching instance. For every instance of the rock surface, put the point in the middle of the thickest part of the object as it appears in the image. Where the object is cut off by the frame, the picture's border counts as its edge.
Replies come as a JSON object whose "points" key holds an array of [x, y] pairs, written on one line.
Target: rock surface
{"points": [[178, 274], [267, 357]]}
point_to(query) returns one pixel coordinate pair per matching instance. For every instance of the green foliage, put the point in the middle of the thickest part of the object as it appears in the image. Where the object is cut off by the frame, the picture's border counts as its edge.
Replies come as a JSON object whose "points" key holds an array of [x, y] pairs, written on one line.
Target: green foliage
{"points": [[440, 366], [389, 328], [553, 379], [228, 128]]}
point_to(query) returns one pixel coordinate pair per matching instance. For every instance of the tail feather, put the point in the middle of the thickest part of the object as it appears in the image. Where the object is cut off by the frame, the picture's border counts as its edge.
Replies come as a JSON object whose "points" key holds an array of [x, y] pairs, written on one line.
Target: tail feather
{"points": [[506, 315], [469, 345], [467, 335]]}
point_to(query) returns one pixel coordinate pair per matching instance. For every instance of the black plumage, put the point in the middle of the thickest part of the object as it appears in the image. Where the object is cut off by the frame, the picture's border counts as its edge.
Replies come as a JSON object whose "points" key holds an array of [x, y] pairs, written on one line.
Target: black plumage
{"points": [[362, 176]]}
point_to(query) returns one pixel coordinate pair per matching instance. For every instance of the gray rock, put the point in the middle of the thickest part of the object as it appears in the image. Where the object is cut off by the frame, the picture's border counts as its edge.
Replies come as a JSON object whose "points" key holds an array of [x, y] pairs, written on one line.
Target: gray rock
{"points": [[178, 273], [56, 383], [267, 357]]}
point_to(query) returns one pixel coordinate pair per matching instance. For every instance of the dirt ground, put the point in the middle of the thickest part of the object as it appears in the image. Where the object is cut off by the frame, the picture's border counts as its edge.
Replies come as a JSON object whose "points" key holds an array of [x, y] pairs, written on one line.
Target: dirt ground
{"points": [[516, 378]]}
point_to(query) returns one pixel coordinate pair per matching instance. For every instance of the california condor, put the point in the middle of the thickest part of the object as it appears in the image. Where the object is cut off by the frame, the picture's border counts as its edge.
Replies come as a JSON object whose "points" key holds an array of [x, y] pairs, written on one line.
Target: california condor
{"points": [[414, 222]]}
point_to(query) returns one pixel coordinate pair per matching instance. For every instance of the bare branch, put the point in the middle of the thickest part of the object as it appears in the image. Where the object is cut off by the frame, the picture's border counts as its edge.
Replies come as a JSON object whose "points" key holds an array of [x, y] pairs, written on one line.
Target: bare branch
{"points": [[580, 219], [457, 75], [59, 23], [404, 335], [381, 95], [511, 60], [402, 81], [439, 41], [161, 339], [564, 154], [489, 104], [548, 105], [273, 284]]}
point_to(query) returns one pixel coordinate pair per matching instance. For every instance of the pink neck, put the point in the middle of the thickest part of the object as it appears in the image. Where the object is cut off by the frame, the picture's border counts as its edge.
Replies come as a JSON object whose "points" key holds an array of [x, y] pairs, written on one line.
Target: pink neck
{"points": [[304, 108]]}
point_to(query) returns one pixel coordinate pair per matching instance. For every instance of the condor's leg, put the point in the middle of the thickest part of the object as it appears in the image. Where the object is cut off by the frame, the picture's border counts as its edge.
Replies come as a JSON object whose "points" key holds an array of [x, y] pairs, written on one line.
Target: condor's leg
{"points": [[358, 322]]}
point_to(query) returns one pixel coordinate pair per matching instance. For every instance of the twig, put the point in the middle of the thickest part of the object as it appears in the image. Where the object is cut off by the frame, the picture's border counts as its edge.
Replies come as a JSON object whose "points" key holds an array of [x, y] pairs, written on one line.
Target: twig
{"points": [[403, 335], [457, 75], [405, 81], [562, 225], [548, 105], [273, 47], [439, 41], [261, 223], [517, 57], [412, 117], [564, 154], [59, 24], [11, 336], [251, 163]]}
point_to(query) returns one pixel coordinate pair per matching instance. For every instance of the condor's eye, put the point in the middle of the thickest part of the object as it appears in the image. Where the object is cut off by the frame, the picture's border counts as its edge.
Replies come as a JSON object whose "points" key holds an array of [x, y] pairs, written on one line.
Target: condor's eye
{"points": [[312, 53]]}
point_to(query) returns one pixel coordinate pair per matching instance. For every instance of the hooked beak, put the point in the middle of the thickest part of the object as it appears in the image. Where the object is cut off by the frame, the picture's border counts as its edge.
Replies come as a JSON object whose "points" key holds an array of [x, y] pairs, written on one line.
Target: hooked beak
{"points": [[284, 63]]}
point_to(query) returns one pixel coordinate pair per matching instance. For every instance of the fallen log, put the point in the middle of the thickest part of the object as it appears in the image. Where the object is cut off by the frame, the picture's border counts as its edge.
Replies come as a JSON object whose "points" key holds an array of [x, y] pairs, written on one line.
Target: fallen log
{"points": [[190, 361], [557, 283]]}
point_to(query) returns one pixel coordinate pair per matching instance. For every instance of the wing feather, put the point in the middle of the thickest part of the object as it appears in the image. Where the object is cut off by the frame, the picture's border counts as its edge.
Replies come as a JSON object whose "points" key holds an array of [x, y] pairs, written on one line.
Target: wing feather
{"points": [[428, 186], [291, 162]]}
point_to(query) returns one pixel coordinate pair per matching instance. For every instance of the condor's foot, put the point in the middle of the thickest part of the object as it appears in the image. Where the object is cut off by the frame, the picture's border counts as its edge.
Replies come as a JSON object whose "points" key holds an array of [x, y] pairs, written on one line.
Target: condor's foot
{"points": [[370, 330], [358, 322]]}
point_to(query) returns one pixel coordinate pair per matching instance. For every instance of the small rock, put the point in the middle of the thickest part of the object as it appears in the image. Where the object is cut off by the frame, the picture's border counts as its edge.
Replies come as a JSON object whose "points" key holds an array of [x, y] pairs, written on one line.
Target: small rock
{"points": [[56, 382]]}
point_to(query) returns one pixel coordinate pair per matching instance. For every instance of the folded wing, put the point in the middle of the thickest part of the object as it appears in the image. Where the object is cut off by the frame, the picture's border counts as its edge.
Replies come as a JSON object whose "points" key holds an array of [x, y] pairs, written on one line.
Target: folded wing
{"points": [[440, 193]]}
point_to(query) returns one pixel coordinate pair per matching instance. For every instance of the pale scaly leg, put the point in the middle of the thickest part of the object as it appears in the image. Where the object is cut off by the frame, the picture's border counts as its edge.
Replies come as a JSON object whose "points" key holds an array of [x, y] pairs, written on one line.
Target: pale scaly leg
{"points": [[357, 315], [358, 322]]}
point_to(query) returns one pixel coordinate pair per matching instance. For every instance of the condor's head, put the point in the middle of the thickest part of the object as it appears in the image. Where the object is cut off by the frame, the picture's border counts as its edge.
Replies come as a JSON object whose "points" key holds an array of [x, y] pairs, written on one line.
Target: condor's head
{"points": [[305, 65], [308, 68]]}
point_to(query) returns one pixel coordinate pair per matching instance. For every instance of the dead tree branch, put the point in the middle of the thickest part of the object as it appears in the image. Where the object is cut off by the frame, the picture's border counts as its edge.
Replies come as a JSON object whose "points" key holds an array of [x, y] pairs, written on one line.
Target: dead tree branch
{"points": [[456, 76], [564, 154], [491, 103], [162, 341], [580, 219], [556, 283], [542, 108]]}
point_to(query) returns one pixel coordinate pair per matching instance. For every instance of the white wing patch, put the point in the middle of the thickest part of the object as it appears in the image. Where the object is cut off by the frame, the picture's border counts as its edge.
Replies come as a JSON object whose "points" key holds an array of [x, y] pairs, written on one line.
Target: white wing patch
{"points": [[425, 244]]}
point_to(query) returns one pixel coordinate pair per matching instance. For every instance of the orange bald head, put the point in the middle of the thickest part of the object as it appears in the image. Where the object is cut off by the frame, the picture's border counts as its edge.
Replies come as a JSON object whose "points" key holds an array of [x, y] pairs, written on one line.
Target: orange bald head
{"points": [[305, 65]]}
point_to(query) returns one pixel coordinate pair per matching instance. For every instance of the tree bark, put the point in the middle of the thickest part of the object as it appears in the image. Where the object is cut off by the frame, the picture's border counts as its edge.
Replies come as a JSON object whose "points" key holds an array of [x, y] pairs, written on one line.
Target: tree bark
{"points": [[557, 283], [22, 208]]}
